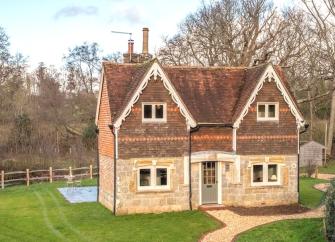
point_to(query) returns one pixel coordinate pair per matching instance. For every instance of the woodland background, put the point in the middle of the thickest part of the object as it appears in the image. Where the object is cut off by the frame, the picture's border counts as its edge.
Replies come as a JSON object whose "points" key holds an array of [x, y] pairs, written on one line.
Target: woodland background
{"points": [[47, 114]]}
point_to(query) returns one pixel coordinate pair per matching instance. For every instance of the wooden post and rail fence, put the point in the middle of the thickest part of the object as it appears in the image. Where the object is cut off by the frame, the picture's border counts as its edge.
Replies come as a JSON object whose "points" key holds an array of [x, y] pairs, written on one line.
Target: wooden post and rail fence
{"points": [[29, 176]]}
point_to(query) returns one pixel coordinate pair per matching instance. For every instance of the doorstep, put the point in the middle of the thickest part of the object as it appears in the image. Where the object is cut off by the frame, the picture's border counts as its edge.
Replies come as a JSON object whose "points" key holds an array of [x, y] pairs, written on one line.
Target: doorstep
{"points": [[210, 207]]}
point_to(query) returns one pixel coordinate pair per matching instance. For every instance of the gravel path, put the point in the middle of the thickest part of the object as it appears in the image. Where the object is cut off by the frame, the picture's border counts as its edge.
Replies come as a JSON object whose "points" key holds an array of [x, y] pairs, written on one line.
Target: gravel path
{"points": [[236, 224], [322, 186], [325, 176]]}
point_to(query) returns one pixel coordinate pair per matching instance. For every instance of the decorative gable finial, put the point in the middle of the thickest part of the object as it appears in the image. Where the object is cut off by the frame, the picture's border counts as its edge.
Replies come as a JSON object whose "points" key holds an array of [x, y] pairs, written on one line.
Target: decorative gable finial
{"points": [[155, 72]]}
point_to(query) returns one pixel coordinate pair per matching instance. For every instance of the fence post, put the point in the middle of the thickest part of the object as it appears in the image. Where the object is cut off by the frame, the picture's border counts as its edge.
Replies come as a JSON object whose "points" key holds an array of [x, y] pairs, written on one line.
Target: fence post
{"points": [[70, 171], [50, 174], [2, 179], [27, 172], [91, 171]]}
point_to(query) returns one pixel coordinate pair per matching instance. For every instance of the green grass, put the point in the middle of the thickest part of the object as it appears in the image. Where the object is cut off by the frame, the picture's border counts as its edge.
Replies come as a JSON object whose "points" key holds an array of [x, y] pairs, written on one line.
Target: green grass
{"points": [[309, 196], [39, 213], [293, 230], [329, 169], [288, 230]]}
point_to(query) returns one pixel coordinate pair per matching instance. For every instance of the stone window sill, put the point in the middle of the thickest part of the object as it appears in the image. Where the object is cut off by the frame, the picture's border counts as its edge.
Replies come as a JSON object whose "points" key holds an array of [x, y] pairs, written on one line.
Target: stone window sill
{"points": [[267, 186], [154, 191]]}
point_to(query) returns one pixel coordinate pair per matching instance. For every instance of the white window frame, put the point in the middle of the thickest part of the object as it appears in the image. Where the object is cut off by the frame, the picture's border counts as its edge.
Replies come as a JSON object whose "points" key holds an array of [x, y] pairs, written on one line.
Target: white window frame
{"points": [[266, 175], [153, 174], [154, 119], [267, 118]]}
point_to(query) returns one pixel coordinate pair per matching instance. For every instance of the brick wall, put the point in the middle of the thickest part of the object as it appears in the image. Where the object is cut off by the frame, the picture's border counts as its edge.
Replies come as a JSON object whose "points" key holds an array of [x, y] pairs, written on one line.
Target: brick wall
{"points": [[137, 139], [268, 137], [212, 138], [106, 138]]}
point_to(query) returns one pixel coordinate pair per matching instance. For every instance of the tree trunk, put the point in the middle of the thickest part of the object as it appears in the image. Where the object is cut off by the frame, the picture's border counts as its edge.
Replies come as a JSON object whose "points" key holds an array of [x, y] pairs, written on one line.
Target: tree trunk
{"points": [[331, 121], [311, 115]]}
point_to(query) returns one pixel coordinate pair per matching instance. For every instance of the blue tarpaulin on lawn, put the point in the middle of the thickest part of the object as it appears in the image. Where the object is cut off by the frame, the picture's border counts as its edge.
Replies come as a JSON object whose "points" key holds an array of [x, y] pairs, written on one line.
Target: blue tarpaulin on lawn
{"points": [[79, 194]]}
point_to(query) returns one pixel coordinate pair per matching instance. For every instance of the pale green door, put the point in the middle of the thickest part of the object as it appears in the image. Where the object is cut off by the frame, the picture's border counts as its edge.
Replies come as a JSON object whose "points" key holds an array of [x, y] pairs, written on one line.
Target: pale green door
{"points": [[209, 182]]}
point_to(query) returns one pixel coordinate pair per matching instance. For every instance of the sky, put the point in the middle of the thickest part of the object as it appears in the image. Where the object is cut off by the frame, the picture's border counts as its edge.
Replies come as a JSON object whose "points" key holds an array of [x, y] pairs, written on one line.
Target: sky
{"points": [[44, 30]]}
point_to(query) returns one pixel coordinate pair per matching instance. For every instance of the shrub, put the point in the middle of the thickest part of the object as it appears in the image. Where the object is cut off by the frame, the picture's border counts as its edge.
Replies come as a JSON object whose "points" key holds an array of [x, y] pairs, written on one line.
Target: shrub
{"points": [[330, 212], [311, 168], [89, 136]]}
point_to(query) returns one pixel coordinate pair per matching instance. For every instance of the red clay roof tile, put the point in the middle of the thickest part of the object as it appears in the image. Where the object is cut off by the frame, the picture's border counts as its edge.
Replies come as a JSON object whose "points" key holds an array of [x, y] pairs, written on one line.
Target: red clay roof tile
{"points": [[211, 94]]}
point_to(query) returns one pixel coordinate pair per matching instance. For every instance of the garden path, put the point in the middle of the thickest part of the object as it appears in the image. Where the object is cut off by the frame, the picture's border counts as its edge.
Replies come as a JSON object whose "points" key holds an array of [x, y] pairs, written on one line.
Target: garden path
{"points": [[235, 224]]}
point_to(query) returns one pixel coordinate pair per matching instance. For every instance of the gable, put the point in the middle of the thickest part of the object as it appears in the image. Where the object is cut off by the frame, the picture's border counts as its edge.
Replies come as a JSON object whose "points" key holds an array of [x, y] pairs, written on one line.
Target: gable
{"points": [[160, 139], [153, 73], [270, 75]]}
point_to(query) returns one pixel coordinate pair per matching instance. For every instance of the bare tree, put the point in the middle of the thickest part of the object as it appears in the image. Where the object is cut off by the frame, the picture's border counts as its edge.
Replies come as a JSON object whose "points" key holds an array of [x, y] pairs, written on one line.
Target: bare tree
{"points": [[226, 32], [322, 16], [83, 66]]}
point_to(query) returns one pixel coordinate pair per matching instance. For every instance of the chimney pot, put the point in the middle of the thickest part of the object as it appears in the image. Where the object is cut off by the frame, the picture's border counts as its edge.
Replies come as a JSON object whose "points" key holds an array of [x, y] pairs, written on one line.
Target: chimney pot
{"points": [[130, 46], [145, 50]]}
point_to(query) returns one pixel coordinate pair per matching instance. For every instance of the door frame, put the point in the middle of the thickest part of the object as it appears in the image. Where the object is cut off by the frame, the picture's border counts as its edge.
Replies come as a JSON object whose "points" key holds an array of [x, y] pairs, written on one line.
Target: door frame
{"points": [[219, 177]]}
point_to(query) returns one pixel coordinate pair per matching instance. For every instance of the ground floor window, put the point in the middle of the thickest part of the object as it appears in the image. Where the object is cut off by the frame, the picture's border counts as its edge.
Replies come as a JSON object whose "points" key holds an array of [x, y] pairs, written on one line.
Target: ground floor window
{"points": [[265, 174], [153, 178]]}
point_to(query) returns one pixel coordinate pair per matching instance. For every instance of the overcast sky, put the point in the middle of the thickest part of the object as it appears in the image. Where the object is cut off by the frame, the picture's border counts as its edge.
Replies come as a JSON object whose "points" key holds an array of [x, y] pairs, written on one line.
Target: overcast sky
{"points": [[43, 30]]}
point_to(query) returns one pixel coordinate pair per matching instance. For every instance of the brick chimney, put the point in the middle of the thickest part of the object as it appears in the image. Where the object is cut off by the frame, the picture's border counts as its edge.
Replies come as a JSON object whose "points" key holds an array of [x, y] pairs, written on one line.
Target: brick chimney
{"points": [[145, 41], [130, 49], [131, 57], [145, 55]]}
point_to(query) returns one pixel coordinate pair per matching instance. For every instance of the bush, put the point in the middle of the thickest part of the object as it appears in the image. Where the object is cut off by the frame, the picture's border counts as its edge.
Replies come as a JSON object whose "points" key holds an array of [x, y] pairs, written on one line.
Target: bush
{"points": [[89, 136], [330, 212], [311, 168]]}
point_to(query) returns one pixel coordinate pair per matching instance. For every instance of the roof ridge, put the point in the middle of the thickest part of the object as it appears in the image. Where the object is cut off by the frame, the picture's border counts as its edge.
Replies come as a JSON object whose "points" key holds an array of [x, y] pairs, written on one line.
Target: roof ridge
{"points": [[109, 62], [215, 67]]}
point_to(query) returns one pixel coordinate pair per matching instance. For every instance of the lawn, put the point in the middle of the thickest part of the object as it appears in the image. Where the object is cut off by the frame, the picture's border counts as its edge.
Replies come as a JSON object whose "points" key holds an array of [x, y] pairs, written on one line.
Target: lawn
{"points": [[39, 213], [293, 230], [329, 169], [288, 230], [310, 197]]}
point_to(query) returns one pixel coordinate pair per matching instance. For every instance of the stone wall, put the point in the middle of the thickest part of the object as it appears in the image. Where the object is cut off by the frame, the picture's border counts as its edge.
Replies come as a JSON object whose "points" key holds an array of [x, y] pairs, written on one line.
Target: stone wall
{"points": [[106, 179], [129, 200], [243, 194]]}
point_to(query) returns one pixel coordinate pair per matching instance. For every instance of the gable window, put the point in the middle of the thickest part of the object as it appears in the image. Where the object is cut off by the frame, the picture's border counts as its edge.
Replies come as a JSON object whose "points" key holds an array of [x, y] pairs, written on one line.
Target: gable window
{"points": [[154, 112], [267, 111], [265, 174], [153, 178]]}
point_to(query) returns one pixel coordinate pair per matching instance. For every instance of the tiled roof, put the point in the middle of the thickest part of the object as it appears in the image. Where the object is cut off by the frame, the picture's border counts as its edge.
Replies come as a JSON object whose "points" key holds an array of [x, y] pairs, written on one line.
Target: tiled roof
{"points": [[211, 94]]}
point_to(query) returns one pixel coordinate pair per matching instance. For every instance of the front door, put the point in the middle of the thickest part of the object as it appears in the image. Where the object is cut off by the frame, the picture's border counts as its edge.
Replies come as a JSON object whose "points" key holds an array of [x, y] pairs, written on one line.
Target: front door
{"points": [[209, 182]]}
